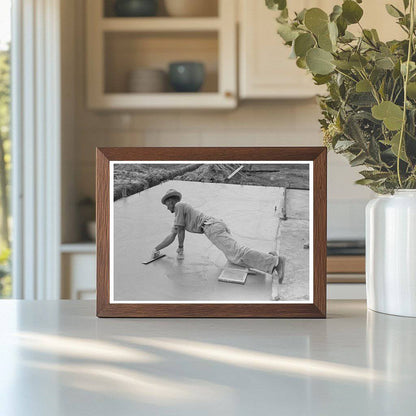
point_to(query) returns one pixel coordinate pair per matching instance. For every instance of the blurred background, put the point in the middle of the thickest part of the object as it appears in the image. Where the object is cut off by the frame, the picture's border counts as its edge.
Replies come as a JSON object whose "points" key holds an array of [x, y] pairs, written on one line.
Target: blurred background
{"points": [[101, 73]]}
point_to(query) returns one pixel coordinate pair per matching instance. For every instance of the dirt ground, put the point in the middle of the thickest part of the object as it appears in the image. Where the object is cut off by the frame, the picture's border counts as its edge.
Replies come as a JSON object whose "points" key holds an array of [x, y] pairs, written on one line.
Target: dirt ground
{"points": [[294, 176]]}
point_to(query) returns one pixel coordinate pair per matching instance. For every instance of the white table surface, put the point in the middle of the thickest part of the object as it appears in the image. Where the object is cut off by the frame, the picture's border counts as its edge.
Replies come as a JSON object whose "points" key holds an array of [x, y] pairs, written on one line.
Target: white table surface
{"points": [[57, 358]]}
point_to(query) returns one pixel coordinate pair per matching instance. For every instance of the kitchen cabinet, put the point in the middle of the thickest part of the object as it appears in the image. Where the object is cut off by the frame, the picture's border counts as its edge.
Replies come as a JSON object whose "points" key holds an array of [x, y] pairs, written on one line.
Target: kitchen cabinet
{"points": [[265, 70], [78, 271], [118, 45]]}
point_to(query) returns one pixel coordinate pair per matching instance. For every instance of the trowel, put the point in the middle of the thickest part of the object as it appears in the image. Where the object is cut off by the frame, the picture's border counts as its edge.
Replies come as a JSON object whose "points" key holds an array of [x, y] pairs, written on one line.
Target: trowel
{"points": [[154, 259]]}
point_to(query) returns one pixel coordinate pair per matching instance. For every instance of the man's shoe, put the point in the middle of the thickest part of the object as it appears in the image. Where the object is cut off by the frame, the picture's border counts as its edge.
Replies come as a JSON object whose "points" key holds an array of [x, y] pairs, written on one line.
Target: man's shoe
{"points": [[279, 270]]}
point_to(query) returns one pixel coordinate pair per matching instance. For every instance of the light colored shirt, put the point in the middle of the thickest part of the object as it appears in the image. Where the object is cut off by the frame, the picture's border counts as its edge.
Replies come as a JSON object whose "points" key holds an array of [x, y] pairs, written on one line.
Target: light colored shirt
{"points": [[190, 218]]}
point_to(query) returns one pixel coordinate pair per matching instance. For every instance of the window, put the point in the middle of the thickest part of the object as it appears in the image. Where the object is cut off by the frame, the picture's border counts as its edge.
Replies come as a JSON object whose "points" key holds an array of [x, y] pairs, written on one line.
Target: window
{"points": [[5, 147]]}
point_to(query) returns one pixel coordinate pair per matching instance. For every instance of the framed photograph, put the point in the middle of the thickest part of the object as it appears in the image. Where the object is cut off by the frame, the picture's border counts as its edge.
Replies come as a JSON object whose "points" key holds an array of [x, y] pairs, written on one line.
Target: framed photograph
{"points": [[211, 232]]}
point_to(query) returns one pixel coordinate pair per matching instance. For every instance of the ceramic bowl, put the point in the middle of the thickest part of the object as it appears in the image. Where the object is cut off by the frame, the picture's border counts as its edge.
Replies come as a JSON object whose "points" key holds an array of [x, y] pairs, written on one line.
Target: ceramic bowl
{"points": [[147, 80], [186, 76], [135, 8]]}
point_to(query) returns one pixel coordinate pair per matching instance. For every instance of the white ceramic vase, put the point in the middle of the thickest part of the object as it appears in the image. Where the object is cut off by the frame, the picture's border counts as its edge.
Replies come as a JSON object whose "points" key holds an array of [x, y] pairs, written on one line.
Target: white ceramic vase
{"points": [[391, 253]]}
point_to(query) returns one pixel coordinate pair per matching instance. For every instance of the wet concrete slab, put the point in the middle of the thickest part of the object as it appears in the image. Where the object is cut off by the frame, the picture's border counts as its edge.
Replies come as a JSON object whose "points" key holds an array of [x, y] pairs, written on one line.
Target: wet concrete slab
{"points": [[141, 222]]}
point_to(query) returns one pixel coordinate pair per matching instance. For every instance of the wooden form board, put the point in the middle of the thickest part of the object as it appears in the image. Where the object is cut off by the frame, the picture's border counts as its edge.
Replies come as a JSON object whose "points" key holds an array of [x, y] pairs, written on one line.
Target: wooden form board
{"points": [[233, 276]]}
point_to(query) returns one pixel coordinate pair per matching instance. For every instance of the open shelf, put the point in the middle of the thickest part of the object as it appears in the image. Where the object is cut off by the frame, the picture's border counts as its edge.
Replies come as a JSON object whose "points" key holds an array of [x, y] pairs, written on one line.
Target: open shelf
{"points": [[116, 46], [127, 51]]}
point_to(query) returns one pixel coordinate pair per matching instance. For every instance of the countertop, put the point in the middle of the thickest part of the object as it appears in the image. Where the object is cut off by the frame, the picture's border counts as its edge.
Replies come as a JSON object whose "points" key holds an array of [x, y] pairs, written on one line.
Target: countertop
{"points": [[57, 358]]}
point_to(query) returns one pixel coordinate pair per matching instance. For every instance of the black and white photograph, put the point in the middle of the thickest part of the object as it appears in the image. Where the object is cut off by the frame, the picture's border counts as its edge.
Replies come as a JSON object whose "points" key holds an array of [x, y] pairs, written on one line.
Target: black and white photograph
{"points": [[207, 232]]}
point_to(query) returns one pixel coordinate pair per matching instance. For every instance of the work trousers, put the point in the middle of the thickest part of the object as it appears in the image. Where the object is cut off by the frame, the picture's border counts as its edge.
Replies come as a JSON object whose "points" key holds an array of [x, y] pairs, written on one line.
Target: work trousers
{"points": [[219, 235]]}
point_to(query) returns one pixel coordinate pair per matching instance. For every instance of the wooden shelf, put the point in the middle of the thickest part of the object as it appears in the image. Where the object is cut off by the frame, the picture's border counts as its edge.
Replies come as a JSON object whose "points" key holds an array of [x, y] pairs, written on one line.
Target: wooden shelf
{"points": [[163, 101], [159, 24]]}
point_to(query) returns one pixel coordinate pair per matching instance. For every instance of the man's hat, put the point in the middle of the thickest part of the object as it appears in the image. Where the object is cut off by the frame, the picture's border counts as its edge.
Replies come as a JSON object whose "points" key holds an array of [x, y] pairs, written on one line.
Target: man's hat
{"points": [[170, 193]]}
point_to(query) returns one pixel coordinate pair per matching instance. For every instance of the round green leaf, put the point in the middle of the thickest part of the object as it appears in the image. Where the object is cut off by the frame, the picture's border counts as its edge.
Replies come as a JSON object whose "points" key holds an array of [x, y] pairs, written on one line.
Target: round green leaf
{"points": [[342, 64], [358, 61], [324, 42], [363, 86], [391, 114], [403, 65], [411, 90], [321, 79], [385, 63], [319, 61], [286, 32], [342, 25], [303, 43], [316, 20], [351, 11], [327, 40]]}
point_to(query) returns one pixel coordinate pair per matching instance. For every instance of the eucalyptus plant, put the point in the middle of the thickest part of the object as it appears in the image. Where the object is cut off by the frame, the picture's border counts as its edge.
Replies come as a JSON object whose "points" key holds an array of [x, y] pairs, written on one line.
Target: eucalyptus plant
{"points": [[369, 112]]}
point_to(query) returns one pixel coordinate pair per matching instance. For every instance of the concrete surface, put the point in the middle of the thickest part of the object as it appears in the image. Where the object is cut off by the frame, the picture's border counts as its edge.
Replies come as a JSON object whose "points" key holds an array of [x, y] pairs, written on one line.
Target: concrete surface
{"points": [[293, 235], [141, 222]]}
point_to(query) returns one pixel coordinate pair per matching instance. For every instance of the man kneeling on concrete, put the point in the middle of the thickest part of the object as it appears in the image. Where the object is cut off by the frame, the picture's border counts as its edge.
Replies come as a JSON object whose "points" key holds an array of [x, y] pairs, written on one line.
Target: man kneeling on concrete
{"points": [[189, 219]]}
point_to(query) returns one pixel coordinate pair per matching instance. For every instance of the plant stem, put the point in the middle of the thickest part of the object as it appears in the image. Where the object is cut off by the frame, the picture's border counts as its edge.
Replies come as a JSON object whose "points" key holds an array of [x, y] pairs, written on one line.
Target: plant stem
{"points": [[345, 75], [406, 79], [373, 90], [392, 90], [397, 95]]}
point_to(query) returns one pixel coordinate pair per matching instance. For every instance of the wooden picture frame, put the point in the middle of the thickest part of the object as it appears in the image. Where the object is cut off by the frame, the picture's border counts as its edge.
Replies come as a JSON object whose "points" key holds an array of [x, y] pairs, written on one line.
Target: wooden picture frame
{"points": [[314, 308]]}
